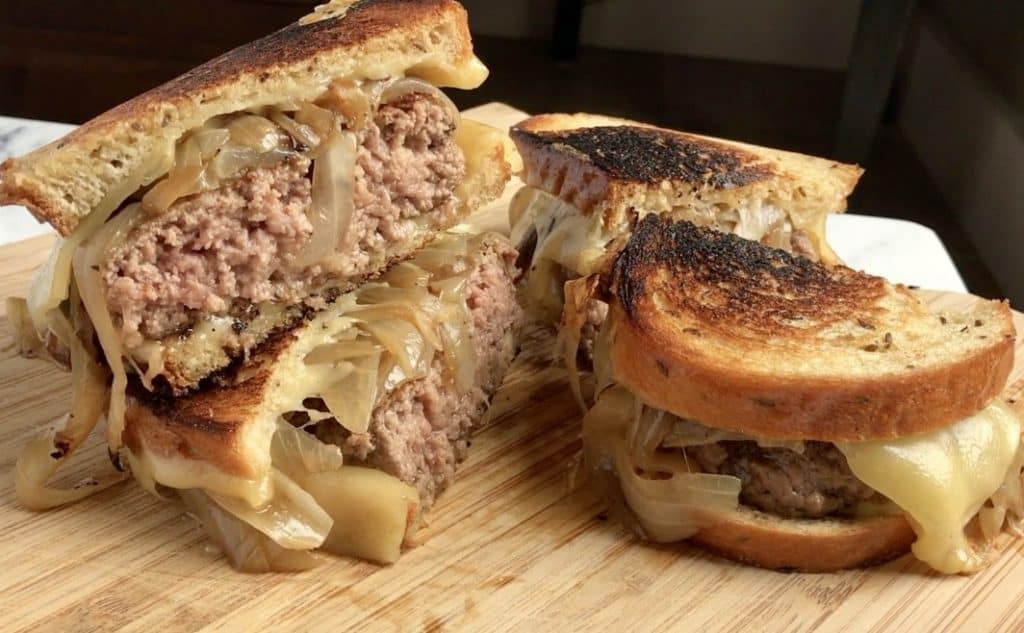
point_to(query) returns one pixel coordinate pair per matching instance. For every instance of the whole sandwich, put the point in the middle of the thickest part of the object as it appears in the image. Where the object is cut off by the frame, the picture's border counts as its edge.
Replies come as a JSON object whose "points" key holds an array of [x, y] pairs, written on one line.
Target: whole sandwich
{"points": [[219, 235], [590, 178], [796, 416]]}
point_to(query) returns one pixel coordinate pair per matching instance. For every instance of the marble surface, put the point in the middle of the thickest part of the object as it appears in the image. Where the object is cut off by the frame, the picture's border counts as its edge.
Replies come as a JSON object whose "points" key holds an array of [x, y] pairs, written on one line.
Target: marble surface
{"points": [[19, 136], [902, 251]]}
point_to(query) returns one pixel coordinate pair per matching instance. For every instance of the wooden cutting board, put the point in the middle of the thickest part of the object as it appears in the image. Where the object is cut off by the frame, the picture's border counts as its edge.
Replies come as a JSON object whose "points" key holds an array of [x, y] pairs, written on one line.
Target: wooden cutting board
{"points": [[509, 546]]}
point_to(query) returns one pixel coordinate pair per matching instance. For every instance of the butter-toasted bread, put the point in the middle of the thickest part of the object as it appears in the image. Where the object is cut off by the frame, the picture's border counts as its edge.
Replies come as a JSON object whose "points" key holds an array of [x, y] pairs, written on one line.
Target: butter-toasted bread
{"points": [[63, 181], [615, 167], [750, 339]]}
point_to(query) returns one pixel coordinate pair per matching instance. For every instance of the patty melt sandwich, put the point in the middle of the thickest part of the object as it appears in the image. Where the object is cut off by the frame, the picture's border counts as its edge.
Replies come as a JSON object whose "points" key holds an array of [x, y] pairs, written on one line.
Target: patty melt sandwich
{"points": [[589, 178], [796, 416], [216, 285]]}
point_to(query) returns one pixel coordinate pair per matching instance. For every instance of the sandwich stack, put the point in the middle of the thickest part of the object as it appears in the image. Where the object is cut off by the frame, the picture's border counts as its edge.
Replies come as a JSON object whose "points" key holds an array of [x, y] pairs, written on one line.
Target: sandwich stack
{"points": [[750, 393], [257, 292]]}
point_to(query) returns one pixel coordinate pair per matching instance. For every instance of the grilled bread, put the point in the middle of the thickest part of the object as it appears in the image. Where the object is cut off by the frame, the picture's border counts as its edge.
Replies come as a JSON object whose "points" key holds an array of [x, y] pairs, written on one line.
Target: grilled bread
{"points": [[810, 545], [757, 341], [64, 181], [793, 415], [590, 178], [613, 168]]}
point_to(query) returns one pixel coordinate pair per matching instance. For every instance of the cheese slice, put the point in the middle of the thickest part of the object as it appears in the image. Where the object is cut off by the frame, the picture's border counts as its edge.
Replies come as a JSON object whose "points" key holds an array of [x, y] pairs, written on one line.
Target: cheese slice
{"points": [[941, 479]]}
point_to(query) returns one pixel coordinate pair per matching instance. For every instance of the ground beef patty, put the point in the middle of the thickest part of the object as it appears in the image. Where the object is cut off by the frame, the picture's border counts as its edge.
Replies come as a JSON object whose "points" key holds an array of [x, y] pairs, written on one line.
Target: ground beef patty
{"points": [[813, 484], [236, 243], [420, 431]]}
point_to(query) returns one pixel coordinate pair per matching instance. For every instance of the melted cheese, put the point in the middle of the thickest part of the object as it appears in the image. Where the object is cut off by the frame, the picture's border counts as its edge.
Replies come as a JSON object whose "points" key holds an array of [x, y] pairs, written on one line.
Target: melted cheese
{"points": [[569, 244], [941, 479]]}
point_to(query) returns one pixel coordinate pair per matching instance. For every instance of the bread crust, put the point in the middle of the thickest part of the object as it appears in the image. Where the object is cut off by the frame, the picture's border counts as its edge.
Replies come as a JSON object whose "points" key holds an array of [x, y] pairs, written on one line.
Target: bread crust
{"points": [[821, 545], [63, 181], [746, 338]]}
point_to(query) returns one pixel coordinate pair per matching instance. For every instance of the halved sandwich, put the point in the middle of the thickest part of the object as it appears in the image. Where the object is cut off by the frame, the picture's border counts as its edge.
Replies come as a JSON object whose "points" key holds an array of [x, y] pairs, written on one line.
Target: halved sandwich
{"points": [[589, 179], [216, 209], [339, 432], [796, 416]]}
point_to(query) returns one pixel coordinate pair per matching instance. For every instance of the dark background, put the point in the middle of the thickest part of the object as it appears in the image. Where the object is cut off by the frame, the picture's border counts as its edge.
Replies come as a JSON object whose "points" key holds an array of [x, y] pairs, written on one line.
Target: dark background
{"points": [[69, 60]]}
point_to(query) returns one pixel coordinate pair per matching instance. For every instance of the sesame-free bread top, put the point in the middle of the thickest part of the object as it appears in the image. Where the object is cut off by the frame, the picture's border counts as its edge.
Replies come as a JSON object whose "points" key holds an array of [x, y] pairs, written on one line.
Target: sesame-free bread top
{"points": [[609, 166], [747, 338], [63, 181]]}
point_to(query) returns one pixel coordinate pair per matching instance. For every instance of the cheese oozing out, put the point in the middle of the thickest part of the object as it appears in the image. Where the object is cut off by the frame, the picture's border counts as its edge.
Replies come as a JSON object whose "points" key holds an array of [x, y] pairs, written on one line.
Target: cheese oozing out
{"points": [[941, 479]]}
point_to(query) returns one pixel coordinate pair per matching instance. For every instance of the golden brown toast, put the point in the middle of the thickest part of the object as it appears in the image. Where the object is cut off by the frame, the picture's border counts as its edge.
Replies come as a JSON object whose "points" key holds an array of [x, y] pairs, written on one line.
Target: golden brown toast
{"points": [[742, 337], [615, 167], [63, 181]]}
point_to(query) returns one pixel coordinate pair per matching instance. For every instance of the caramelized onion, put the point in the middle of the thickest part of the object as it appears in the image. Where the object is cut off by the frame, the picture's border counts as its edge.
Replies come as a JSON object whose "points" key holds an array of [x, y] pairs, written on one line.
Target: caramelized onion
{"points": [[373, 511], [355, 101], [669, 502], [303, 134], [246, 548], [404, 342], [184, 180], [443, 256], [232, 160], [400, 88], [42, 456], [29, 343], [341, 350], [210, 140], [332, 207], [298, 454], [322, 121], [292, 518], [89, 279], [459, 355], [678, 506], [352, 398], [414, 305], [578, 295], [407, 275], [255, 132]]}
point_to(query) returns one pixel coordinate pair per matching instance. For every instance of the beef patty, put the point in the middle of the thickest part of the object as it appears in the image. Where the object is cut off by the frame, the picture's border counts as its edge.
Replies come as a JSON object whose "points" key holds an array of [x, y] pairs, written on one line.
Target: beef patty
{"points": [[235, 243], [419, 432], [813, 484]]}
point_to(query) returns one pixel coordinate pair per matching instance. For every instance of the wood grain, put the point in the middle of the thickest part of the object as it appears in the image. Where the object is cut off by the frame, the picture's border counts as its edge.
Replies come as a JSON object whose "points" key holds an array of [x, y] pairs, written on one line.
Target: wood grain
{"points": [[509, 546]]}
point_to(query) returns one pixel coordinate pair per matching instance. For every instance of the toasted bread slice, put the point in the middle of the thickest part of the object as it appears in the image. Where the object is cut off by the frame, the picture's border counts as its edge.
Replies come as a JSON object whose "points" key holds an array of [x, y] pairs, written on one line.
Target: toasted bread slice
{"points": [[218, 437], [819, 545], [63, 181], [615, 167], [738, 336]]}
